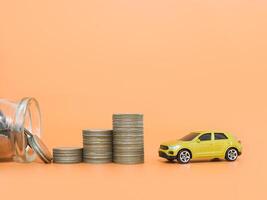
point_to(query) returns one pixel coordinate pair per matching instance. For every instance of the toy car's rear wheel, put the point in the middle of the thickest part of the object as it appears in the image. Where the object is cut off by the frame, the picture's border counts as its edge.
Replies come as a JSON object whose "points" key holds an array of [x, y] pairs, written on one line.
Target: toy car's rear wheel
{"points": [[231, 154], [183, 156]]}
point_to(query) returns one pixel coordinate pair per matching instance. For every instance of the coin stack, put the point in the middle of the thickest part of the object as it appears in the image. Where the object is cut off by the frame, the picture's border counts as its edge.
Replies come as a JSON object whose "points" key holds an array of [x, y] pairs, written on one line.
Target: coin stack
{"points": [[97, 146], [128, 138], [67, 155]]}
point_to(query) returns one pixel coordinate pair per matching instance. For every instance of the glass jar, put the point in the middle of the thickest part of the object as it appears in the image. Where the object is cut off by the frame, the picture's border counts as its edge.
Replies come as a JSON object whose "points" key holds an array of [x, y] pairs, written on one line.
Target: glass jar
{"points": [[15, 119]]}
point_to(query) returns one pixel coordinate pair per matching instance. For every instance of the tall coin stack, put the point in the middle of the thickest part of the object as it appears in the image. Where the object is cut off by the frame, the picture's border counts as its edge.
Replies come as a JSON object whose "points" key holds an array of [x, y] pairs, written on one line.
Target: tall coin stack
{"points": [[128, 138], [97, 146]]}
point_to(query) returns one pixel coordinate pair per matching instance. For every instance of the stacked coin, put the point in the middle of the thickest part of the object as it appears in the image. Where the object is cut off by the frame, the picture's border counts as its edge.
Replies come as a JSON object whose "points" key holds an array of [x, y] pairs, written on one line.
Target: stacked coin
{"points": [[67, 155], [97, 146], [128, 138]]}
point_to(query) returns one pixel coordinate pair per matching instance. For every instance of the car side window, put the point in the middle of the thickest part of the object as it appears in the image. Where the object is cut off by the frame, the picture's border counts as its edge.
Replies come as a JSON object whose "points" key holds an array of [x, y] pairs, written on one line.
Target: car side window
{"points": [[205, 137], [220, 136]]}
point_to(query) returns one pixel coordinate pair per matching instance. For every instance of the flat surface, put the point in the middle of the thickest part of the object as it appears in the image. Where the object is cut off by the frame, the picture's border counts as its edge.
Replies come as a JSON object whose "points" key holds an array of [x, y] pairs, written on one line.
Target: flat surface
{"points": [[157, 179], [186, 65]]}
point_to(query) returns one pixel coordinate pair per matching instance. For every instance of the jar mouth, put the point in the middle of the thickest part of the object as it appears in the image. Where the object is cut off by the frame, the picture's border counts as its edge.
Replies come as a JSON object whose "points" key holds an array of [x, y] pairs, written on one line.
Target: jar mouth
{"points": [[27, 116]]}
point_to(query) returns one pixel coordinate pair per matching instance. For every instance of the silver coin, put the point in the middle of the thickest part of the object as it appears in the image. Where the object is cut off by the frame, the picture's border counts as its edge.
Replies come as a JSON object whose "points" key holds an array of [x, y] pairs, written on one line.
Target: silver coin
{"points": [[67, 149], [125, 137], [128, 157], [129, 154], [67, 162], [97, 153], [128, 136], [128, 161], [98, 157], [115, 151], [97, 143], [97, 161], [88, 137], [128, 150], [67, 158], [67, 155], [127, 115], [133, 128], [129, 139], [126, 142], [97, 130], [70, 152], [128, 127], [127, 130], [97, 139], [127, 121], [121, 132], [128, 145], [97, 147], [97, 133]]}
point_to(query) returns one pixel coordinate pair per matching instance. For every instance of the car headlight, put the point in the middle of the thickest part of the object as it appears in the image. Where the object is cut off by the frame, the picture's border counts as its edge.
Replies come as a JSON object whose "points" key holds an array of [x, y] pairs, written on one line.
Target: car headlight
{"points": [[174, 147]]}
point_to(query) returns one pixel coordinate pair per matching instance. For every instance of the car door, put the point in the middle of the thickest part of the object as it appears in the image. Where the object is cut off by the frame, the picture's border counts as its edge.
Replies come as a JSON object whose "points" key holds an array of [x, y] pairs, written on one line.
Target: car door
{"points": [[220, 144], [204, 146]]}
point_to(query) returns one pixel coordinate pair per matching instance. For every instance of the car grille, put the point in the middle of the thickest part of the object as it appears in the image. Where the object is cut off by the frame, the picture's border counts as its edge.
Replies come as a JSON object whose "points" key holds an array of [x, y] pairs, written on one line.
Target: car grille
{"points": [[162, 154], [163, 147]]}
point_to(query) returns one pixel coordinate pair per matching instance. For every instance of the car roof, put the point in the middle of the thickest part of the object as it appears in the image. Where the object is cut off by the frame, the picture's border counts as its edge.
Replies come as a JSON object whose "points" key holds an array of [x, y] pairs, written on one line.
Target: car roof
{"points": [[210, 131]]}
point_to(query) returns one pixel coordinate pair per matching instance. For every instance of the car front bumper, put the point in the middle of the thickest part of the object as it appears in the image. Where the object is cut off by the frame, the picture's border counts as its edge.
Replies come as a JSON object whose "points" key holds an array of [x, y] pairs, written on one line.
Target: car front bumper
{"points": [[164, 155]]}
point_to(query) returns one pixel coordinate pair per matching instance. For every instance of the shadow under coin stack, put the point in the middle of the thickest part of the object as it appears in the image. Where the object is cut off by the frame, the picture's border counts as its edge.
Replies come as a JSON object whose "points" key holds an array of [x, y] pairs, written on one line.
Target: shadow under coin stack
{"points": [[128, 138], [97, 146], [67, 155]]}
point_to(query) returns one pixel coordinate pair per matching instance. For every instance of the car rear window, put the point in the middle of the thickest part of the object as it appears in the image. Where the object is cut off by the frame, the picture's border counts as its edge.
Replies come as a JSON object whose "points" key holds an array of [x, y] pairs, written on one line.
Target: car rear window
{"points": [[220, 136]]}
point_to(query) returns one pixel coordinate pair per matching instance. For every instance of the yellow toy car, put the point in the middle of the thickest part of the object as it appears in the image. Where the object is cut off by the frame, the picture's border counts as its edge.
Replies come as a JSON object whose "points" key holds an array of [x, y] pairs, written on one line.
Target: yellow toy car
{"points": [[202, 144]]}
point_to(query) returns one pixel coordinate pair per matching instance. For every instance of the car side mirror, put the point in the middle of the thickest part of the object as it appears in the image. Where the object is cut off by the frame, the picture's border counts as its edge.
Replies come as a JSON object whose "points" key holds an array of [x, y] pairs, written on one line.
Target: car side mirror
{"points": [[198, 140]]}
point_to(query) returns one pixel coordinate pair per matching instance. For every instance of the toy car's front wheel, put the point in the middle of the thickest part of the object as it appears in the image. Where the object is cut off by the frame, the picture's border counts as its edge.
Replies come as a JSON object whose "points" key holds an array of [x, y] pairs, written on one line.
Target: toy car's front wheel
{"points": [[183, 156], [231, 154]]}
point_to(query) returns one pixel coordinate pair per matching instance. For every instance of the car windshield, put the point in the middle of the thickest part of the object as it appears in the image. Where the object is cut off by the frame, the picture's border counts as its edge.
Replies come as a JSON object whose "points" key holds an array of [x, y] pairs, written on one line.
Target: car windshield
{"points": [[189, 137]]}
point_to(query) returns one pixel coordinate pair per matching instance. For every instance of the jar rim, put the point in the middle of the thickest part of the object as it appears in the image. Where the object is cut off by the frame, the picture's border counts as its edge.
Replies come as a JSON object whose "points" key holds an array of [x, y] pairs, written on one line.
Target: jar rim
{"points": [[22, 112]]}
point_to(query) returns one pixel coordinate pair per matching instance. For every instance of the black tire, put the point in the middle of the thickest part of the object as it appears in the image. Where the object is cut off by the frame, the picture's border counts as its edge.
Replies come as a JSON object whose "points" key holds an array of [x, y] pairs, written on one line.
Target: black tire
{"points": [[170, 160], [184, 156], [231, 154]]}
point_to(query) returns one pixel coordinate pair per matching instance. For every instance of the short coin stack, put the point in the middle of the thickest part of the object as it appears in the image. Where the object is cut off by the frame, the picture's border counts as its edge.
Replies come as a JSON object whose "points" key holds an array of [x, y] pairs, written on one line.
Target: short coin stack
{"points": [[128, 138], [67, 155], [97, 146]]}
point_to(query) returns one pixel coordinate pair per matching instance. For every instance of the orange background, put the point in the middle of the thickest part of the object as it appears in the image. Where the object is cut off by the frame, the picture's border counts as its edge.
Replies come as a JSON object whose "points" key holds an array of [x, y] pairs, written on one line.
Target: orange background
{"points": [[187, 65]]}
